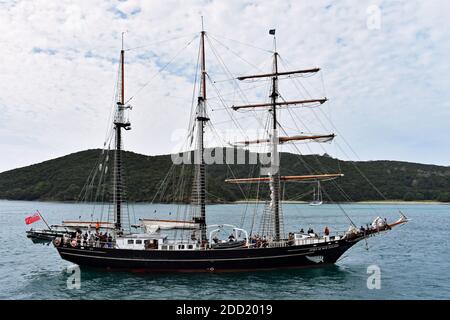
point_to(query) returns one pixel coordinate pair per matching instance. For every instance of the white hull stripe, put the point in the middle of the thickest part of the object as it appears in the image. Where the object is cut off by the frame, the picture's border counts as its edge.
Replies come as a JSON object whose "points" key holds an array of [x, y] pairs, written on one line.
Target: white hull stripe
{"points": [[190, 260]]}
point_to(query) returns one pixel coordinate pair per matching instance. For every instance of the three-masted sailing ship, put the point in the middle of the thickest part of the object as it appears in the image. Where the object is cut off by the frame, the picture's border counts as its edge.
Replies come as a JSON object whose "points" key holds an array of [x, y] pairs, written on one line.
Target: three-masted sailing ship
{"points": [[150, 249]]}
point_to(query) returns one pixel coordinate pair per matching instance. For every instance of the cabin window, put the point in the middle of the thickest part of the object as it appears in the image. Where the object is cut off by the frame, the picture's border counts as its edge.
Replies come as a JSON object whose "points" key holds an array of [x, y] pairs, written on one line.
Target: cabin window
{"points": [[170, 247], [164, 247], [181, 246], [190, 246], [138, 241], [130, 241]]}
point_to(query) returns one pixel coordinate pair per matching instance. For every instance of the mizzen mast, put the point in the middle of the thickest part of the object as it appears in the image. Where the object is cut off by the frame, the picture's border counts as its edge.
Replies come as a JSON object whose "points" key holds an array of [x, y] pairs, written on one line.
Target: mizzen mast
{"points": [[120, 122]]}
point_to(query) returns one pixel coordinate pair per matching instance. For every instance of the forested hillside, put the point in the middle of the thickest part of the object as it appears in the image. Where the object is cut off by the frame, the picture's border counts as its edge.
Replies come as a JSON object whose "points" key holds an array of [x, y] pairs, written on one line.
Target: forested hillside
{"points": [[62, 179]]}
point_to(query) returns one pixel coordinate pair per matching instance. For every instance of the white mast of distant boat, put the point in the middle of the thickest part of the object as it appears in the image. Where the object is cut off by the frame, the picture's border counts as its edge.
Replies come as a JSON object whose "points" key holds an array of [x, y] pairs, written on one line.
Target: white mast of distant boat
{"points": [[317, 196]]}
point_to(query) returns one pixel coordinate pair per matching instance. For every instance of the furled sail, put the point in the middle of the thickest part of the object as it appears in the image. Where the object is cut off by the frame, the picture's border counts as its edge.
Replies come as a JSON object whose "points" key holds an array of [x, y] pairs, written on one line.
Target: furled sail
{"points": [[87, 224], [154, 225], [315, 138], [281, 104], [277, 74], [317, 177]]}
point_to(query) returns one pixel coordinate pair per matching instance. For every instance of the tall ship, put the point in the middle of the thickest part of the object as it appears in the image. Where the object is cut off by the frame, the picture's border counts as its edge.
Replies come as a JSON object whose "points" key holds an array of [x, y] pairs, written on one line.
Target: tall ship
{"points": [[188, 243]]}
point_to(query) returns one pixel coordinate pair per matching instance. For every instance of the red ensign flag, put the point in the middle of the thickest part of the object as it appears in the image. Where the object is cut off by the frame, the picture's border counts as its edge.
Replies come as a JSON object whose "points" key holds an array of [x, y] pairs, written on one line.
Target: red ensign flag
{"points": [[35, 217]]}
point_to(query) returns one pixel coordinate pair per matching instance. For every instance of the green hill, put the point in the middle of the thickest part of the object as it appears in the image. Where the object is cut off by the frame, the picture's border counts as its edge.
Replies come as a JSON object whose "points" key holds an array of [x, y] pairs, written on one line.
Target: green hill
{"points": [[63, 178]]}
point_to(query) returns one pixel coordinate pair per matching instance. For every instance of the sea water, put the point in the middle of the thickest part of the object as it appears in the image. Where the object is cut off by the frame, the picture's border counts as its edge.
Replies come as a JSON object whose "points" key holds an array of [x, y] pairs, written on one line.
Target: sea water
{"points": [[413, 260]]}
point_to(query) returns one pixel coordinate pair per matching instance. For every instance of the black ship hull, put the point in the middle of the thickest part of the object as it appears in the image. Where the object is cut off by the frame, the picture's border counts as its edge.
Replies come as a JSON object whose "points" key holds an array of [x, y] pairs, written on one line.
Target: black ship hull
{"points": [[43, 236], [228, 260]]}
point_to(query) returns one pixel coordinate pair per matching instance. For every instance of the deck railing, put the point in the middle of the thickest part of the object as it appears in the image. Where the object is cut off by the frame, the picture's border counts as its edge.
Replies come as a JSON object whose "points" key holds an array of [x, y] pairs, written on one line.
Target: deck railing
{"points": [[88, 243]]}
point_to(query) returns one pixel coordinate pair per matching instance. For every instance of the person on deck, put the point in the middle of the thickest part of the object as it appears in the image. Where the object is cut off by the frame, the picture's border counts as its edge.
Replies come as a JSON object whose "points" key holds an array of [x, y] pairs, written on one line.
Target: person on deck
{"points": [[97, 240], [103, 237], [386, 224], [91, 240], [264, 242], [291, 238], [327, 231]]}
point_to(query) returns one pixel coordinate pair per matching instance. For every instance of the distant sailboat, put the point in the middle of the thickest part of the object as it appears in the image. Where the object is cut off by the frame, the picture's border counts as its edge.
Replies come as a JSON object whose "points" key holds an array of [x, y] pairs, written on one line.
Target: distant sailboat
{"points": [[317, 196]]}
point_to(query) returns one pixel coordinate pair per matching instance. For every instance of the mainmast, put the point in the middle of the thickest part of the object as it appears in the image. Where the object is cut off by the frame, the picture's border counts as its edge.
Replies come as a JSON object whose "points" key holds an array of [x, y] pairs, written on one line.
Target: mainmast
{"points": [[275, 160], [119, 123], [202, 118]]}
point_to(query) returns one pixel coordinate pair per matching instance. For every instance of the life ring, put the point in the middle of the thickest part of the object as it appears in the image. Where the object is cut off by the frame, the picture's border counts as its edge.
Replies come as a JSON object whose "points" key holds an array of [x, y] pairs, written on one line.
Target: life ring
{"points": [[73, 243], [57, 241]]}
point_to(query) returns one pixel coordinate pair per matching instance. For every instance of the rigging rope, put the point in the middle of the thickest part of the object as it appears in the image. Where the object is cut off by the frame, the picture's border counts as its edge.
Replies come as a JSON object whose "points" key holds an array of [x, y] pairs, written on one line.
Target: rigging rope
{"points": [[161, 69], [227, 71], [236, 54], [245, 44], [160, 41], [315, 156], [345, 141]]}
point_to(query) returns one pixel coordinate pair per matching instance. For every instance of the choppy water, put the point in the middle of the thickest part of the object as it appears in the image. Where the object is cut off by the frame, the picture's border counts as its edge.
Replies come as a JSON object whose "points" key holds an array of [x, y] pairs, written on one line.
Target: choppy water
{"points": [[414, 259]]}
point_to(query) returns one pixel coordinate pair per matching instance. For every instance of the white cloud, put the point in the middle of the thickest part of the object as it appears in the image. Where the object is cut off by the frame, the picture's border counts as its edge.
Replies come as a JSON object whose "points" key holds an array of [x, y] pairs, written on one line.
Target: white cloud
{"points": [[388, 88]]}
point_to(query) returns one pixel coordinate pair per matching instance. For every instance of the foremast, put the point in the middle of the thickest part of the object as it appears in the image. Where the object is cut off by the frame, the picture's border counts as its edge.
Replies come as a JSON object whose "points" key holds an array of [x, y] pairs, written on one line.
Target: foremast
{"points": [[274, 176], [202, 119], [120, 122]]}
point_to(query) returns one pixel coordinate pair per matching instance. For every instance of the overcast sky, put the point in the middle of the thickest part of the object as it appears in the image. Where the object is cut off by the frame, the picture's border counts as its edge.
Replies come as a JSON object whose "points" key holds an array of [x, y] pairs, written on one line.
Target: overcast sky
{"points": [[387, 79]]}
